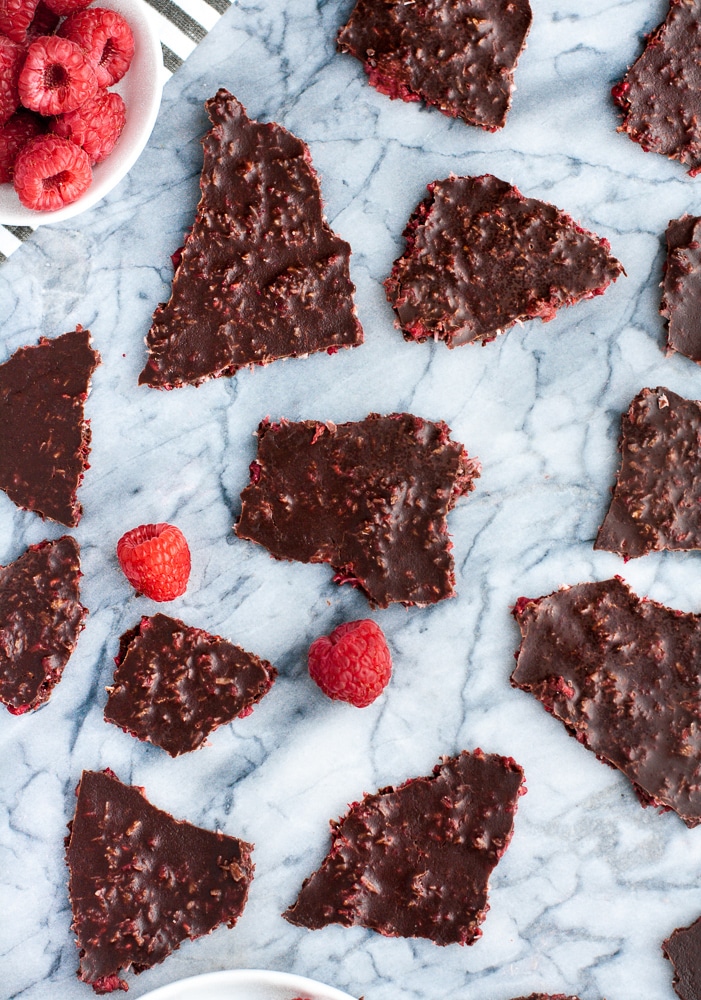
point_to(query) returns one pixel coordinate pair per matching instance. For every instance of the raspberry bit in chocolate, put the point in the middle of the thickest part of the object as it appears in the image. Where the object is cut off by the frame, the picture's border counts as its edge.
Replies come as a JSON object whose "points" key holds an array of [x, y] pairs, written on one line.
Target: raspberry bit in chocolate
{"points": [[46, 440], [415, 861], [175, 684], [142, 882], [683, 949], [655, 501], [623, 675], [369, 497], [661, 93], [459, 56], [481, 257], [41, 618], [681, 298], [261, 276]]}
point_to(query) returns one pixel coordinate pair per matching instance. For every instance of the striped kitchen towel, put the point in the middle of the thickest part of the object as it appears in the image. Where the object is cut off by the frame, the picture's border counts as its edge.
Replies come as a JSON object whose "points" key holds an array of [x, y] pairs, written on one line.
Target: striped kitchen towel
{"points": [[181, 27]]}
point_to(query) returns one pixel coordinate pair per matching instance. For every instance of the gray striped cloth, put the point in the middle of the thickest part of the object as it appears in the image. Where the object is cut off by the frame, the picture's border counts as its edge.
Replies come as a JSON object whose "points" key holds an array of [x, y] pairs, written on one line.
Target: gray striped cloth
{"points": [[181, 27]]}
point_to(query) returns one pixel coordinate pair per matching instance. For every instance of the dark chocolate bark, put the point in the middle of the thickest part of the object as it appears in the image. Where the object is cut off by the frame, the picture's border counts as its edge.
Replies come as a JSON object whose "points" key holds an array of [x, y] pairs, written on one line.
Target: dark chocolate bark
{"points": [[681, 297], [369, 497], [175, 684], [655, 501], [41, 618], [547, 996], [623, 675], [481, 257], [45, 438], [261, 275], [683, 949], [415, 861], [661, 93], [142, 882], [458, 56]]}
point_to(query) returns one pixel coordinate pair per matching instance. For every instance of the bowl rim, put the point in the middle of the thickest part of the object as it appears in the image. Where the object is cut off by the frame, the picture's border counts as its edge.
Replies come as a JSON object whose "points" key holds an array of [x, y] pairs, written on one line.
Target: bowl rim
{"points": [[247, 977], [150, 58]]}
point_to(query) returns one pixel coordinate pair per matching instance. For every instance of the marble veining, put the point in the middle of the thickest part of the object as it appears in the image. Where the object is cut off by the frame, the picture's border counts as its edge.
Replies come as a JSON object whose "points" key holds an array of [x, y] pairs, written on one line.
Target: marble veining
{"points": [[592, 883]]}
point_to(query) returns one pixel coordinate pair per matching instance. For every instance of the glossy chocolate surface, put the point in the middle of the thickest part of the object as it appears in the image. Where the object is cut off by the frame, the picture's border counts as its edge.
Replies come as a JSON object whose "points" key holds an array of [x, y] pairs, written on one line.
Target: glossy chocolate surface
{"points": [[683, 949]]}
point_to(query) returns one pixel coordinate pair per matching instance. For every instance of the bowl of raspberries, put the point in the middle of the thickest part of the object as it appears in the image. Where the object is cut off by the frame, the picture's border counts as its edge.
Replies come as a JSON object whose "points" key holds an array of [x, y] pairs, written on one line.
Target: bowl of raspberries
{"points": [[80, 88]]}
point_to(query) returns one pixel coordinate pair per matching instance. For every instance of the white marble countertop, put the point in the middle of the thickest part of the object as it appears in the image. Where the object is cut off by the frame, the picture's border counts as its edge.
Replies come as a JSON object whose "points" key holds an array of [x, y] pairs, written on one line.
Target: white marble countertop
{"points": [[592, 883]]}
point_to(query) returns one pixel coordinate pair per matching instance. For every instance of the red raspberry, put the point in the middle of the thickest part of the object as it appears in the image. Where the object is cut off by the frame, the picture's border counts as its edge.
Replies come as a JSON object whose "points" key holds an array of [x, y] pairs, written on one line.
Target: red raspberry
{"points": [[15, 134], [15, 18], [51, 172], [156, 560], [56, 76], [353, 663], [95, 125], [44, 22], [11, 58], [67, 6], [106, 38]]}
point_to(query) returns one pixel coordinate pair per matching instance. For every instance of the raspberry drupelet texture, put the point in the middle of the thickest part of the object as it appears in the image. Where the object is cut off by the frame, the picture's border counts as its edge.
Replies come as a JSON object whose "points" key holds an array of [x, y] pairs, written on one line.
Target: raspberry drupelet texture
{"points": [[155, 559], [95, 125], [14, 136], [56, 77], [15, 18], [105, 37], [11, 57], [63, 7], [51, 172], [353, 663]]}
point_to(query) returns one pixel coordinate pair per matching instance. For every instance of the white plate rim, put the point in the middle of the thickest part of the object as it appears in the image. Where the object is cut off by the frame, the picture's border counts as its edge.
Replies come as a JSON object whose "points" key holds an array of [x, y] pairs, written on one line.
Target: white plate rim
{"points": [[241, 978]]}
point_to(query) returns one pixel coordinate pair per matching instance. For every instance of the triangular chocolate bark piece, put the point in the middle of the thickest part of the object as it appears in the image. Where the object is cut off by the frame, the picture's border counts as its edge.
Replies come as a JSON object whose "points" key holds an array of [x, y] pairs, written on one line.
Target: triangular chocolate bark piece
{"points": [[415, 861], [174, 684], [681, 298], [45, 438], [41, 618], [623, 676], [371, 497], [480, 257], [661, 92], [142, 882], [655, 502], [261, 275], [459, 57], [683, 949]]}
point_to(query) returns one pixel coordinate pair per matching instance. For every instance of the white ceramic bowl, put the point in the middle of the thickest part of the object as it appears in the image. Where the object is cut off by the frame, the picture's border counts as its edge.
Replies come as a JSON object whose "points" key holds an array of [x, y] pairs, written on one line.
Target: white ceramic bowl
{"points": [[247, 984], [141, 90]]}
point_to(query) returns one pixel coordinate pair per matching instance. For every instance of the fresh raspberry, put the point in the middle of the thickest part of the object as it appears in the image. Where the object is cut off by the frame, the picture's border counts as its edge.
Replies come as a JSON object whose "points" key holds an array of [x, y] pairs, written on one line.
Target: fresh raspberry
{"points": [[353, 663], [51, 172], [106, 38], [15, 134], [11, 58], [15, 18], [95, 125], [63, 7], [44, 22], [56, 76], [156, 560]]}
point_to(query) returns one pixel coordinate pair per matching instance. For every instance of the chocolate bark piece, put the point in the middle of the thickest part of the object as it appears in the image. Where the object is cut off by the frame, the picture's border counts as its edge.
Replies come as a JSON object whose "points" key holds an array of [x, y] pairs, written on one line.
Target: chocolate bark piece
{"points": [[661, 93], [174, 684], [370, 497], [46, 440], [681, 298], [547, 996], [415, 861], [623, 675], [41, 618], [141, 882], [655, 501], [683, 949], [459, 56], [480, 257], [261, 275]]}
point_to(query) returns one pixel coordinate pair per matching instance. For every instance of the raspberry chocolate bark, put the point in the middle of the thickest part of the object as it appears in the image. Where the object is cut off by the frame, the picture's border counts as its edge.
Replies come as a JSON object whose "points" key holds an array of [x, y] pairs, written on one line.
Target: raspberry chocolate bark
{"points": [[623, 676], [46, 440], [481, 257], [683, 949], [261, 275], [142, 882], [655, 501], [41, 618], [415, 861], [369, 497], [661, 93], [175, 684], [459, 57], [681, 298]]}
